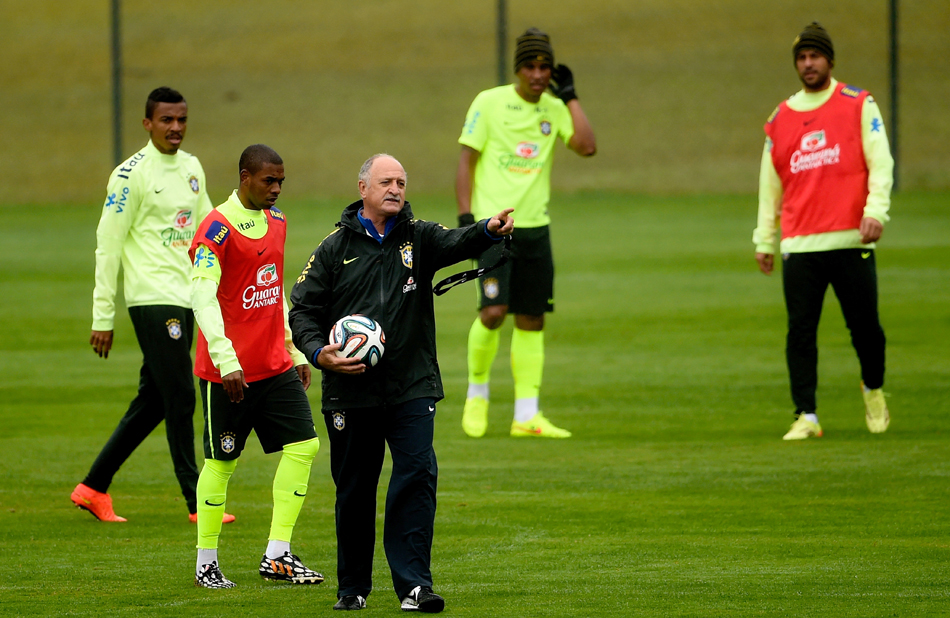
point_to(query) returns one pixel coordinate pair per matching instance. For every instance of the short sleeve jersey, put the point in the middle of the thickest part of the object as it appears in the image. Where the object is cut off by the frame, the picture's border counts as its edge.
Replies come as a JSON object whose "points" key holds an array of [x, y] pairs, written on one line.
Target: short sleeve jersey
{"points": [[516, 141]]}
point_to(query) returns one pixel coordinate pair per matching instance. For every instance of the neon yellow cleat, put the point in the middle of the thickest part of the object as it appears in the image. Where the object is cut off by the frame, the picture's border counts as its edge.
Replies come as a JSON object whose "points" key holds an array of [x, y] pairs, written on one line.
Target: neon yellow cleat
{"points": [[876, 414], [538, 427], [802, 429], [475, 417]]}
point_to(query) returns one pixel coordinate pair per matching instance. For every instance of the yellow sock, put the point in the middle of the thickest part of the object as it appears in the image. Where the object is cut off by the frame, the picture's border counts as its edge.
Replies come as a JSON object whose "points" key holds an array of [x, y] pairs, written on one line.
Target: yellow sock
{"points": [[482, 348], [527, 362], [290, 487]]}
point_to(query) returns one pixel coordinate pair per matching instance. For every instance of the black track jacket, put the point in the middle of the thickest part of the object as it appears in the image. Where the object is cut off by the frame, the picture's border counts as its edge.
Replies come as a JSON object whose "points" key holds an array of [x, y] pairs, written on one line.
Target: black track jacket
{"points": [[391, 282]]}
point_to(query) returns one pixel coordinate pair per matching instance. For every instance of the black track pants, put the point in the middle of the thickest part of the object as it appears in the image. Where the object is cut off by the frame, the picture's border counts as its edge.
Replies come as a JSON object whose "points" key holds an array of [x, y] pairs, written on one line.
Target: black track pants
{"points": [[853, 277]]}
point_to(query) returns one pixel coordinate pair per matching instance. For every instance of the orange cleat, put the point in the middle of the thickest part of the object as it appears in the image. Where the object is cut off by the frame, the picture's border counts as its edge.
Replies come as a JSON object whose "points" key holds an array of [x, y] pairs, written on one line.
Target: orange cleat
{"points": [[225, 519], [96, 502]]}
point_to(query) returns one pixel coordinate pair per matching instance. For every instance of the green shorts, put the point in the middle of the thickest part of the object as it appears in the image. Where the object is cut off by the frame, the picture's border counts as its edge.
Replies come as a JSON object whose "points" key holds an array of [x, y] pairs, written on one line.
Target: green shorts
{"points": [[526, 282], [276, 408]]}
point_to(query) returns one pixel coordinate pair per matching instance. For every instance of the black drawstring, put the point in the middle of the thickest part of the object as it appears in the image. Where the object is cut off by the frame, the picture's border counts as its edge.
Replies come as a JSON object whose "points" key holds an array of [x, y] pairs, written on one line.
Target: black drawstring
{"points": [[450, 282]]}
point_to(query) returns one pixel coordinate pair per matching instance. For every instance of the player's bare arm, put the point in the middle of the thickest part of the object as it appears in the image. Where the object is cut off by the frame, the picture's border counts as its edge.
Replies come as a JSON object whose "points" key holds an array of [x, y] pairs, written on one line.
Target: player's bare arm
{"points": [[101, 342], [871, 230], [303, 372], [583, 142], [463, 184], [327, 359], [234, 385]]}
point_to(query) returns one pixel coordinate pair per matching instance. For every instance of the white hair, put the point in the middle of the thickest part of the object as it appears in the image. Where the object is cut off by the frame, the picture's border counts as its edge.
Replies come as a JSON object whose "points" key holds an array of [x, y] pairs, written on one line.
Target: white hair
{"points": [[368, 164]]}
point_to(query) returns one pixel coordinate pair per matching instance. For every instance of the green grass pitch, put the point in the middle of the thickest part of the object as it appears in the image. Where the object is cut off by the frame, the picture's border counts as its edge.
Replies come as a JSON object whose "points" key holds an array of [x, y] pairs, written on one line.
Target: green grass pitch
{"points": [[675, 497]]}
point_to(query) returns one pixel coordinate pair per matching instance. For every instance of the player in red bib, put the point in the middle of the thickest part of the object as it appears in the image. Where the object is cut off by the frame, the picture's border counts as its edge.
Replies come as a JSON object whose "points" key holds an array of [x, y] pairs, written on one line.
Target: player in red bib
{"points": [[251, 376], [826, 174]]}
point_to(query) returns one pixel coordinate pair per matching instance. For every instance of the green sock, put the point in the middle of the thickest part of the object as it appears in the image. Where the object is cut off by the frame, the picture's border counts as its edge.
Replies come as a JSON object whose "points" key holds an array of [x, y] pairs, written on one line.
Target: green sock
{"points": [[482, 348], [527, 362], [290, 487], [212, 494]]}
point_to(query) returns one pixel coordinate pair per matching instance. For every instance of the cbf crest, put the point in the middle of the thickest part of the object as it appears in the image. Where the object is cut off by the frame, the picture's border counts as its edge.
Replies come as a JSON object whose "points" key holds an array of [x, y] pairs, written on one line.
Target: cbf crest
{"points": [[405, 254], [545, 127], [491, 287], [174, 328], [227, 442], [193, 183], [339, 420]]}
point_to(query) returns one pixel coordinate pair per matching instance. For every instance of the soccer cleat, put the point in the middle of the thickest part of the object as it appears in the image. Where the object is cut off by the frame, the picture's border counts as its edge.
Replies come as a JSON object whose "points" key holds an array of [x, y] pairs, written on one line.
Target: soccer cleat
{"points": [[539, 427], [422, 599], [876, 414], [475, 417], [96, 502], [212, 577], [288, 568], [227, 518], [351, 602], [803, 428]]}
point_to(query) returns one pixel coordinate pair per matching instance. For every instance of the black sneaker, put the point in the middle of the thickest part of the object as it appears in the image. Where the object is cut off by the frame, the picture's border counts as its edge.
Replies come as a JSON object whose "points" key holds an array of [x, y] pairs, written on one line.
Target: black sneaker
{"points": [[288, 568], [211, 577], [424, 600], [351, 602]]}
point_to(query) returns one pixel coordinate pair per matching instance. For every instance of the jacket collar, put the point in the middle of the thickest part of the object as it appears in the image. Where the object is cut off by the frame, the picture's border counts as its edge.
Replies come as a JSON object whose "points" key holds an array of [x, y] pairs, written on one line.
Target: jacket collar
{"points": [[350, 218]]}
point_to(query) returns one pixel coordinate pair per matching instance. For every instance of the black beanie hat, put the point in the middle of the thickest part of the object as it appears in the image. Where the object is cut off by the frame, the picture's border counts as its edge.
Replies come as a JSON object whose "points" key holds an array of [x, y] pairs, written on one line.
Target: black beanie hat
{"points": [[533, 45], [814, 37]]}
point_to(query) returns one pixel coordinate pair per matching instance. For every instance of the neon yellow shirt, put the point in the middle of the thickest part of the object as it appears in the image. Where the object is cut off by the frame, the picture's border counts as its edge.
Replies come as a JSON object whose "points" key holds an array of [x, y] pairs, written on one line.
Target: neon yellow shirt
{"points": [[877, 155], [516, 142], [204, 290], [155, 202]]}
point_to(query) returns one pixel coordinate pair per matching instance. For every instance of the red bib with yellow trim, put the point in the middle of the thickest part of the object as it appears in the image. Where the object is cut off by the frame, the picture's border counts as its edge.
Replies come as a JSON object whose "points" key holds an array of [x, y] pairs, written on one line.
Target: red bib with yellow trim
{"points": [[250, 294], [819, 157]]}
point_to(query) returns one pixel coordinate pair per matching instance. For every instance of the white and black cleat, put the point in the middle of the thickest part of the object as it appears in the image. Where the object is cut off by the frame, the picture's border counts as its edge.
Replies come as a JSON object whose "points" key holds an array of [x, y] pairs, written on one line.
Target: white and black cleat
{"points": [[211, 576], [288, 568]]}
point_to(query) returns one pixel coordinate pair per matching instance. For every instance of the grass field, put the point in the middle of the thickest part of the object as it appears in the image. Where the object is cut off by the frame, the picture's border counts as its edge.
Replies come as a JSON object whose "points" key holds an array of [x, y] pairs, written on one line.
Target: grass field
{"points": [[676, 496], [677, 90]]}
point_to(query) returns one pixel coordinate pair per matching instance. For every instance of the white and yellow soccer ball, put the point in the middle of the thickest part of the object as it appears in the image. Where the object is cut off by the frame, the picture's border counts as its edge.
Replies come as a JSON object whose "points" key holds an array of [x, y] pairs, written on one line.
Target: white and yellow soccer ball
{"points": [[359, 337]]}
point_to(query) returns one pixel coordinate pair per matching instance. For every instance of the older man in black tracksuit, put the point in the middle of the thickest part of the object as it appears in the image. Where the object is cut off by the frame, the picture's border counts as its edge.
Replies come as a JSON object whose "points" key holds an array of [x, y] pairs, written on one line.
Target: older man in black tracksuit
{"points": [[380, 262]]}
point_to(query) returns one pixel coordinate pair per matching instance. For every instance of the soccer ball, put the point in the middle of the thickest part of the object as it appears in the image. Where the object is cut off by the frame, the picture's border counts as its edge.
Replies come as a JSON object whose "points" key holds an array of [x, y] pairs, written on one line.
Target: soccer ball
{"points": [[359, 337]]}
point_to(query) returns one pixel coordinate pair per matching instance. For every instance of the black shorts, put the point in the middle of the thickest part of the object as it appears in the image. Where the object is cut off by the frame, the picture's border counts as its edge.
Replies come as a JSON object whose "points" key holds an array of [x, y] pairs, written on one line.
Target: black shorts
{"points": [[526, 282], [276, 408]]}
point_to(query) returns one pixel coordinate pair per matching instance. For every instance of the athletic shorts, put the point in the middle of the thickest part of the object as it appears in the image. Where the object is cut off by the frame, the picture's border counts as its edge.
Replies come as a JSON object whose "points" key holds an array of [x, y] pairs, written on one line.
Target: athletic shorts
{"points": [[526, 282], [276, 408]]}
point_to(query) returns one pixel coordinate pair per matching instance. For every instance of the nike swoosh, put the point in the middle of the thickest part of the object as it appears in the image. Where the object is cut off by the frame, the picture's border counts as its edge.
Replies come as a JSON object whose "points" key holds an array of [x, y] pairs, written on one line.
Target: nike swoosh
{"points": [[345, 261], [210, 504], [431, 408], [87, 501], [159, 190], [262, 251], [865, 255], [299, 495]]}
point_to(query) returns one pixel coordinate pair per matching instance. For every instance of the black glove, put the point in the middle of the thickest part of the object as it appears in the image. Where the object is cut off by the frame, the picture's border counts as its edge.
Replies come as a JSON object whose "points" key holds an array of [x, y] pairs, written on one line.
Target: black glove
{"points": [[562, 83], [466, 219]]}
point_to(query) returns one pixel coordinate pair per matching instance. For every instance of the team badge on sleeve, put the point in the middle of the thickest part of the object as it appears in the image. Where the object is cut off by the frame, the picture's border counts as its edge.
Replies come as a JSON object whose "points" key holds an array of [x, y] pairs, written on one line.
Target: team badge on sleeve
{"points": [[339, 420], [217, 232], [174, 328], [193, 183]]}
